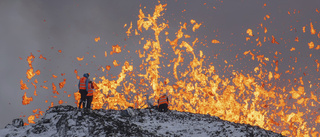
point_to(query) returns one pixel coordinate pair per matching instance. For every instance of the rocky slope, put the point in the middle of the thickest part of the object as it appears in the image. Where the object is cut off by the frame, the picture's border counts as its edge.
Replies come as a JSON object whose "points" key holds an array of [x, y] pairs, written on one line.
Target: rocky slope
{"points": [[70, 121]]}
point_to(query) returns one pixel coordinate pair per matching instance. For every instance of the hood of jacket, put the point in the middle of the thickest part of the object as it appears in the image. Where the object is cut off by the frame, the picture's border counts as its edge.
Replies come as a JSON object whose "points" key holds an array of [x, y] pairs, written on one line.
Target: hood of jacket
{"points": [[86, 75]]}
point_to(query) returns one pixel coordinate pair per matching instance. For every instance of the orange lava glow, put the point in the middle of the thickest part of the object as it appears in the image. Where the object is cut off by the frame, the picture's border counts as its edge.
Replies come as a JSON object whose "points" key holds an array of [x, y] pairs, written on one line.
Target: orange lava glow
{"points": [[115, 63], [60, 102], [201, 90], [54, 89], [115, 49], [54, 76], [196, 85], [76, 72], [23, 86], [41, 57], [129, 30], [61, 84], [249, 32], [311, 45], [312, 30], [80, 59], [97, 39], [215, 41], [196, 25], [26, 100], [30, 72], [30, 119]]}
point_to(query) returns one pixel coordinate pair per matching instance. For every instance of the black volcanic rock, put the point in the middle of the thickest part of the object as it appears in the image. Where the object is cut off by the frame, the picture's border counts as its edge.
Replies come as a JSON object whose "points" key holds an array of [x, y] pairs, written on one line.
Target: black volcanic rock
{"points": [[71, 121], [18, 122]]}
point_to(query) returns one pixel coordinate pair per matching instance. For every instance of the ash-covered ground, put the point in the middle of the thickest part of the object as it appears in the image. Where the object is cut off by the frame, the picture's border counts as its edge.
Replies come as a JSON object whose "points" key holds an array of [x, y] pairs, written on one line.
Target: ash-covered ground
{"points": [[71, 121]]}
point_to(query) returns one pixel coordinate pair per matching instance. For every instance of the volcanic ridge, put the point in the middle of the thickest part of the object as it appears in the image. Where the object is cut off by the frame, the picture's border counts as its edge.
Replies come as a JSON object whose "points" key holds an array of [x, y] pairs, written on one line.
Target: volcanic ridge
{"points": [[71, 121]]}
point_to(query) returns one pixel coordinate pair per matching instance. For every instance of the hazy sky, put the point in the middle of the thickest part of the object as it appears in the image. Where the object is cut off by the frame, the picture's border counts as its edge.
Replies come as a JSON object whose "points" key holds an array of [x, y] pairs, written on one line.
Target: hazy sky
{"points": [[71, 26]]}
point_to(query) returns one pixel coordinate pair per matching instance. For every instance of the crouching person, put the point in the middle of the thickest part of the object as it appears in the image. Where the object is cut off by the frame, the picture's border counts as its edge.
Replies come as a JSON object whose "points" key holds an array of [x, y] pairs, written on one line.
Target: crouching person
{"points": [[90, 94], [163, 103]]}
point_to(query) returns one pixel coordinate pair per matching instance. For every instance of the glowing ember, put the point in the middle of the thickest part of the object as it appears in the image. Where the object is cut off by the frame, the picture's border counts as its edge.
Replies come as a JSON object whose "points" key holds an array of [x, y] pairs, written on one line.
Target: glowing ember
{"points": [[54, 76], [215, 41], [61, 84], [311, 45], [97, 39], [41, 57], [274, 40], [312, 30], [30, 119], [129, 30], [75, 71], [80, 59], [30, 72], [196, 25], [115, 49], [115, 63], [30, 59], [292, 49], [249, 32], [35, 89], [38, 72], [54, 89], [23, 86], [60, 101], [108, 67], [77, 97], [34, 111], [26, 100], [44, 87]]}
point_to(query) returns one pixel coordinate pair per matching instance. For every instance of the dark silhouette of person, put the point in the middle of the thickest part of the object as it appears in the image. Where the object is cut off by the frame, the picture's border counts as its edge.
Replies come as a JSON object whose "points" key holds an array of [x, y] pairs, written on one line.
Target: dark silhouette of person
{"points": [[83, 89]]}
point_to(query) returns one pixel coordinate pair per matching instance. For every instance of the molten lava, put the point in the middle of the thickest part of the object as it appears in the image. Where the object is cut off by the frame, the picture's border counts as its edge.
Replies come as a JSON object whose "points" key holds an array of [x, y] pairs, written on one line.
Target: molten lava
{"points": [[26, 100], [195, 85]]}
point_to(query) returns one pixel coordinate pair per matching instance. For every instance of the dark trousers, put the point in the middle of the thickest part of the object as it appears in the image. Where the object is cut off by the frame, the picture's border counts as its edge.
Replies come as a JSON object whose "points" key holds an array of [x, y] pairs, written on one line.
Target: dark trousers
{"points": [[89, 100], [83, 98], [163, 108]]}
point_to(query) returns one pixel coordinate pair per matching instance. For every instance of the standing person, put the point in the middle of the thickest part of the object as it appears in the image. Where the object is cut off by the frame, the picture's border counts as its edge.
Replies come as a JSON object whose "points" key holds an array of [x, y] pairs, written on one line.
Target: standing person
{"points": [[83, 89], [90, 94], [163, 103]]}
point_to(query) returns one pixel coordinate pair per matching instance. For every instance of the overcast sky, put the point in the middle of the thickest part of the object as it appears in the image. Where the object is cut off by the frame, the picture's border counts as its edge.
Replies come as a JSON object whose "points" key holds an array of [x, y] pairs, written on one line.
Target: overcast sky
{"points": [[45, 27]]}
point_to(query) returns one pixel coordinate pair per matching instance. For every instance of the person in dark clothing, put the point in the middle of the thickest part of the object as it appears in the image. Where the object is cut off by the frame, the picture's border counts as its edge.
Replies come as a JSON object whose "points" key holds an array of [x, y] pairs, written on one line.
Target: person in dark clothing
{"points": [[90, 94], [83, 89], [163, 103]]}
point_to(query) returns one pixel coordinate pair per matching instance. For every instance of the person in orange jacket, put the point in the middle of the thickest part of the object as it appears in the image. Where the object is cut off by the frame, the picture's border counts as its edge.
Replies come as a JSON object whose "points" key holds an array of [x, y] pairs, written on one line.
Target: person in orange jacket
{"points": [[90, 94], [163, 103], [83, 89]]}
